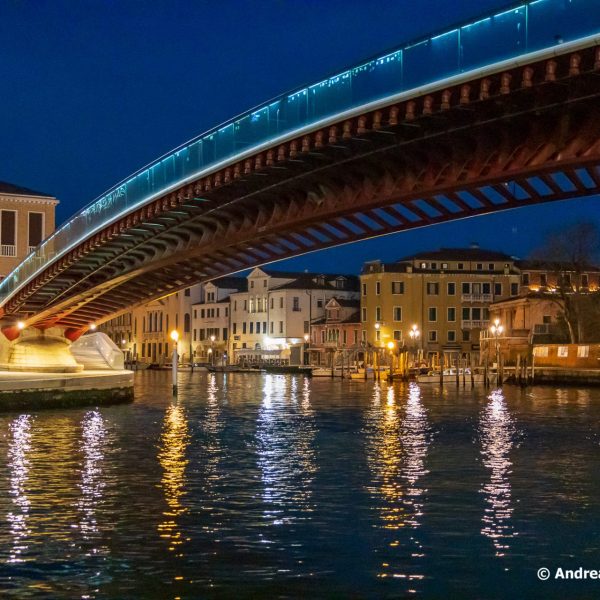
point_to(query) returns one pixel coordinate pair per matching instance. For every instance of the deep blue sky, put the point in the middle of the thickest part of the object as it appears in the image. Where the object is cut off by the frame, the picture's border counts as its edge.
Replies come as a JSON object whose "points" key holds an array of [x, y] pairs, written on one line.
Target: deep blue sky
{"points": [[91, 91]]}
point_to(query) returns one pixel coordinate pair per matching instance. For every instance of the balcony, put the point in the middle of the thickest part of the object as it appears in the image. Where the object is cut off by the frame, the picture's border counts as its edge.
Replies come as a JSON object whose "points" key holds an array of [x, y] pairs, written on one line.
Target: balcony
{"points": [[8, 250], [471, 324], [476, 297]]}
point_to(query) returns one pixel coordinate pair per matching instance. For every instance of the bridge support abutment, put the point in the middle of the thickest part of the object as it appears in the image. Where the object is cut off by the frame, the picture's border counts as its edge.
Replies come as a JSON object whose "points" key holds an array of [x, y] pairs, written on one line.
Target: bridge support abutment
{"points": [[33, 350]]}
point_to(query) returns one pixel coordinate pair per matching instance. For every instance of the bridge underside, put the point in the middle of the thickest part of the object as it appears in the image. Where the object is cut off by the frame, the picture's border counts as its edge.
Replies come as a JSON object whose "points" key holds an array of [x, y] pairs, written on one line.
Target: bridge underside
{"points": [[514, 139]]}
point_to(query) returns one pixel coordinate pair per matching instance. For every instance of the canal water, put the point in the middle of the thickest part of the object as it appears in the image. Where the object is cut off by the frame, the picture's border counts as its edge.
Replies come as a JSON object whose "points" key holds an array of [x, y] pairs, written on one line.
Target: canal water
{"points": [[277, 486]]}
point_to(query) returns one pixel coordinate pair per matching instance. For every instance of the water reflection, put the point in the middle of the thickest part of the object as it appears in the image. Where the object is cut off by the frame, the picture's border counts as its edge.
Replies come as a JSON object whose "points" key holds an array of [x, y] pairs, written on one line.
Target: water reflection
{"points": [[497, 432], [172, 458], [92, 483], [398, 438], [19, 464], [285, 436], [212, 451]]}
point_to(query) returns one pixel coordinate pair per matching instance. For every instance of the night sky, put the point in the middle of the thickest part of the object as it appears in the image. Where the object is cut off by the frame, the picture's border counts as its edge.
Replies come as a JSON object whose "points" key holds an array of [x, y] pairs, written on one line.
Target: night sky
{"points": [[91, 91]]}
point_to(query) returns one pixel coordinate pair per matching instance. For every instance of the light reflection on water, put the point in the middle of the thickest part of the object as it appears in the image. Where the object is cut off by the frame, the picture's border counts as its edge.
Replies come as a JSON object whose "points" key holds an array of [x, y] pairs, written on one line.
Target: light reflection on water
{"points": [[92, 484], [254, 486], [19, 465], [497, 432], [398, 437], [285, 432], [172, 459]]}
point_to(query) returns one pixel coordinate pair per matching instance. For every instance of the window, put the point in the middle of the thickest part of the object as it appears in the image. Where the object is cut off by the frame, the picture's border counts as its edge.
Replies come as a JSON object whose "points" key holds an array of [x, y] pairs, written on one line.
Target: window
{"points": [[466, 335], [451, 335], [322, 336], [423, 265], [433, 289], [397, 335], [363, 335], [461, 266], [514, 289], [546, 319], [444, 265], [8, 239], [320, 303], [280, 301], [295, 303], [541, 351], [252, 283], [378, 287], [264, 327], [345, 337], [245, 305], [306, 327], [491, 266], [244, 327], [378, 313], [479, 266], [397, 287], [234, 325], [224, 334], [186, 292], [280, 326], [186, 323], [432, 314], [497, 289], [264, 283], [486, 288], [227, 311], [584, 281], [432, 337], [356, 336], [451, 289], [466, 288], [434, 265], [451, 316], [202, 313], [364, 289], [218, 311], [378, 335], [272, 327], [397, 313], [525, 278], [36, 228], [251, 327], [562, 352], [364, 314], [583, 351], [235, 305]]}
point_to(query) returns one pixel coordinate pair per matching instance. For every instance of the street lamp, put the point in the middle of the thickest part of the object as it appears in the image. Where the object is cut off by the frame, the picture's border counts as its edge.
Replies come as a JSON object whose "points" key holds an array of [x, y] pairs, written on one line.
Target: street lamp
{"points": [[175, 359], [496, 330], [306, 353], [391, 347], [414, 335], [211, 351]]}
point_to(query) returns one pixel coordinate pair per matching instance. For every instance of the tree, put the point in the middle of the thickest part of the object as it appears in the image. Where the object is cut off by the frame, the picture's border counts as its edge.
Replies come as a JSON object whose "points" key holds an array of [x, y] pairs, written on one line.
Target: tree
{"points": [[568, 256]]}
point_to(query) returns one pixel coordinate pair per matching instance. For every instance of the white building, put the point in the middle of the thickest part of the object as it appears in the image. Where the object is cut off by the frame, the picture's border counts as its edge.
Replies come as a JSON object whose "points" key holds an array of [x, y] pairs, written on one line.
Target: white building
{"points": [[210, 319], [269, 321]]}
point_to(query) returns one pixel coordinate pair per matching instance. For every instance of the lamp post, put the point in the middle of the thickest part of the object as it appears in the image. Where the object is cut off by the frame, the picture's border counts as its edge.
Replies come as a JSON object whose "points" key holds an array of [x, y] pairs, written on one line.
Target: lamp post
{"points": [[414, 335], [212, 351], [174, 359], [391, 347], [376, 358], [496, 329], [306, 350]]}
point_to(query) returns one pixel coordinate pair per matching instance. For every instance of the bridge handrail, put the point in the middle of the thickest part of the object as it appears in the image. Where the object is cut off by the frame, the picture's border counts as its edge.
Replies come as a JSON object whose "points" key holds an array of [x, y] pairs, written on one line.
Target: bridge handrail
{"points": [[524, 28]]}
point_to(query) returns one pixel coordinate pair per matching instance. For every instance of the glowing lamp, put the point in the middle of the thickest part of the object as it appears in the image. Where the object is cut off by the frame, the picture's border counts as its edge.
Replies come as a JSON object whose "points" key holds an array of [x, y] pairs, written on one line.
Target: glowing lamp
{"points": [[175, 335], [20, 325], [390, 345]]}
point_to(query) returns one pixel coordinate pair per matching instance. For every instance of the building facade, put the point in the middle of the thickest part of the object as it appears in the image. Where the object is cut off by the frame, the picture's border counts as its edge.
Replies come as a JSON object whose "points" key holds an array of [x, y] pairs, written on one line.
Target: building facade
{"points": [[443, 297], [269, 321], [26, 218], [338, 331], [210, 319]]}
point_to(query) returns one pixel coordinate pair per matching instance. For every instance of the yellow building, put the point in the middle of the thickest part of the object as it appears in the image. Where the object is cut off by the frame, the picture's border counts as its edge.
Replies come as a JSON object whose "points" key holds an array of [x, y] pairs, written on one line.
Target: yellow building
{"points": [[442, 297], [26, 218]]}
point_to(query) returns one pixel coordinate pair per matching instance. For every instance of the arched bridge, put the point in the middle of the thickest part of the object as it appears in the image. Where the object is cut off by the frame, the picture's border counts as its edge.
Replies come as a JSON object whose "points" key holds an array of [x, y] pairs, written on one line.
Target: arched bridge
{"points": [[495, 114]]}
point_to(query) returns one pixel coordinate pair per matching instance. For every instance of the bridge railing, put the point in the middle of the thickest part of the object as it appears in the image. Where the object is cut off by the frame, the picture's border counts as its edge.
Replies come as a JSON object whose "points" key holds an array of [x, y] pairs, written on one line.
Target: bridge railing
{"points": [[512, 32]]}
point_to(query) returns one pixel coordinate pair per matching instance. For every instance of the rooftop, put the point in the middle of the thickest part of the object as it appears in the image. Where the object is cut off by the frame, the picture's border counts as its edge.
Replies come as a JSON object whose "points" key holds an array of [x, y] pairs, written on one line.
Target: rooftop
{"points": [[17, 190], [465, 254]]}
